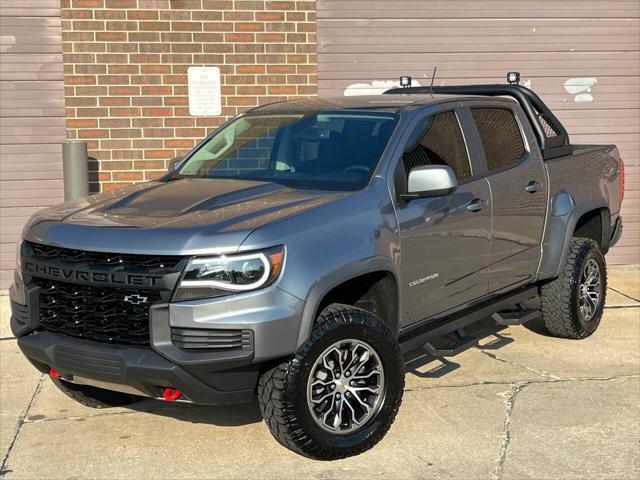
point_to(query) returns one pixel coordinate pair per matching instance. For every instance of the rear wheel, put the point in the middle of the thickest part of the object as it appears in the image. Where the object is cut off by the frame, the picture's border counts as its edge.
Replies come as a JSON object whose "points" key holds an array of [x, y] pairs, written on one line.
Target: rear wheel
{"points": [[573, 303], [339, 395], [95, 397]]}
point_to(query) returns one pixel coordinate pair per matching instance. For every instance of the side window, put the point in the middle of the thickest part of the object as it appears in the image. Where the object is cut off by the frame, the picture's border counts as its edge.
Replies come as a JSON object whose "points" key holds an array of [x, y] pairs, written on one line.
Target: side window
{"points": [[441, 143], [500, 135]]}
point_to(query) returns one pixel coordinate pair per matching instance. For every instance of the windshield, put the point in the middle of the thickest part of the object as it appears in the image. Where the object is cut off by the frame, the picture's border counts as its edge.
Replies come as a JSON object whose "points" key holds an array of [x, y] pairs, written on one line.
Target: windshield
{"points": [[315, 150]]}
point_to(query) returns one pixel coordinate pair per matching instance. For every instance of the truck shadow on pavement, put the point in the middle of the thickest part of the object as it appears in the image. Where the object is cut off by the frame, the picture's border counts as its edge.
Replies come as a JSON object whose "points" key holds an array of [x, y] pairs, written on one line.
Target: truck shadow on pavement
{"points": [[221, 416], [249, 413], [489, 337]]}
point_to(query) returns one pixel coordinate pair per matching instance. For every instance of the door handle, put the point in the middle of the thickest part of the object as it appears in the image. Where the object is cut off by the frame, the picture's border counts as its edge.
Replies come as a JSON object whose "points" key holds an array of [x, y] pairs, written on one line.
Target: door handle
{"points": [[476, 205], [532, 186]]}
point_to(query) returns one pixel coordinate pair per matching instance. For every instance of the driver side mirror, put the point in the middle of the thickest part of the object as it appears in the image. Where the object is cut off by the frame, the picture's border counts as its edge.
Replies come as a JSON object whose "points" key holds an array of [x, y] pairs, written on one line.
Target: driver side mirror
{"points": [[175, 163], [430, 181]]}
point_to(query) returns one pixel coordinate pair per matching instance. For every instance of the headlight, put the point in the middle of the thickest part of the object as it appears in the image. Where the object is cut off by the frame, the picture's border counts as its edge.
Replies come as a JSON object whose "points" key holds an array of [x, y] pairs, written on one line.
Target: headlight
{"points": [[215, 276]]}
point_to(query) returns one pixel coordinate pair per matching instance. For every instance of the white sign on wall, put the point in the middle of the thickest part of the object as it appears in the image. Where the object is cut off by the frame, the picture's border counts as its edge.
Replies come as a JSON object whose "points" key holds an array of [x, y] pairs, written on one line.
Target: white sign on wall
{"points": [[204, 91]]}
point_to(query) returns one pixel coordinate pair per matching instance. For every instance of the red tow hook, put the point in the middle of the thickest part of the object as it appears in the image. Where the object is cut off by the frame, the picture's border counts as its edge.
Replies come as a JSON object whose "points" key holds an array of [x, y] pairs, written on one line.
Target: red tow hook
{"points": [[54, 373], [171, 394]]}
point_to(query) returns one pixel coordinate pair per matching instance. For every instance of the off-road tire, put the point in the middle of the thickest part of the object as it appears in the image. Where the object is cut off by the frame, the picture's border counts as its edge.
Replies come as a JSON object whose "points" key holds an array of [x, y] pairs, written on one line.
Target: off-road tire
{"points": [[282, 389], [560, 311], [95, 397]]}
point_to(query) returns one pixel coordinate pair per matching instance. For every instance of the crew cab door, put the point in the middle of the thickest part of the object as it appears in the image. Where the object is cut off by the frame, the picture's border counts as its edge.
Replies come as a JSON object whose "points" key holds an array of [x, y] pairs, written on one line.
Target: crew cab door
{"points": [[516, 175], [445, 240]]}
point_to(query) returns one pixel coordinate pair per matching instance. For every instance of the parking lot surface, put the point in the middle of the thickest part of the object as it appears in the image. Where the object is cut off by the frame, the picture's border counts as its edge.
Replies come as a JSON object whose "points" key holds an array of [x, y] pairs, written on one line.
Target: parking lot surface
{"points": [[522, 405]]}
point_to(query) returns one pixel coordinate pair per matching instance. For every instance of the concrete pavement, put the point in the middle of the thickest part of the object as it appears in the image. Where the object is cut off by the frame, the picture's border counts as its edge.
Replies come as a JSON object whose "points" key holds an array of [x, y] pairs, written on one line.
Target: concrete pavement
{"points": [[523, 405]]}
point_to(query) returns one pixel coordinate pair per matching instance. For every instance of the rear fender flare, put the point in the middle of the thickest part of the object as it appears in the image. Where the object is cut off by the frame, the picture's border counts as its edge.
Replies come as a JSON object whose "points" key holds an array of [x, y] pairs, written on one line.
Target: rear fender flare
{"points": [[563, 218]]}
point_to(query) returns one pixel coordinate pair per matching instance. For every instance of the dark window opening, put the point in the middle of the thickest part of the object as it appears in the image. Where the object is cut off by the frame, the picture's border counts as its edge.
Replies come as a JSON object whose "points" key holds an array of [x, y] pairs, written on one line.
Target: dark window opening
{"points": [[500, 135], [442, 143]]}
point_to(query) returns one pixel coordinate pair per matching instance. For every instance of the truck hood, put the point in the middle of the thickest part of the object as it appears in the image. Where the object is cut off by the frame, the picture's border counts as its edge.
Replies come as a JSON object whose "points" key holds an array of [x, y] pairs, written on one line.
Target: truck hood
{"points": [[187, 216]]}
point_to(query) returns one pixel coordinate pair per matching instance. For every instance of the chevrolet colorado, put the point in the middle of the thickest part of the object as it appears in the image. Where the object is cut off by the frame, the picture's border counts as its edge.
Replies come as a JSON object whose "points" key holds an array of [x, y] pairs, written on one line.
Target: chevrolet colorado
{"points": [[301, 248]]}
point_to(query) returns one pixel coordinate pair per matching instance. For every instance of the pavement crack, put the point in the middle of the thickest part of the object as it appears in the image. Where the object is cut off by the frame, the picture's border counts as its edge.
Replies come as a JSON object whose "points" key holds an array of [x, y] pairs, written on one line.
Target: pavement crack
{"points": [[596, 379], [547, 380], [620, 307], [624, 294], [542, 373], [506, 430], [460, 385], [510, 402], [20, 422]]}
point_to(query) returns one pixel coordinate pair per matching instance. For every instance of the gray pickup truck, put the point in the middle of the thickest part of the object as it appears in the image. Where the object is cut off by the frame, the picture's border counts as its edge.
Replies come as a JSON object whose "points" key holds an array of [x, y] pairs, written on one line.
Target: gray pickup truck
{"points": [[299, 250]]}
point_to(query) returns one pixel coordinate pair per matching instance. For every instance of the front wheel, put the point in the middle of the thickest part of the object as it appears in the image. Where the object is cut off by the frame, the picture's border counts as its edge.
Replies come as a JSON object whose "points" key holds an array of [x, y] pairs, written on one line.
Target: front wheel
{"points": [[338, 396]]}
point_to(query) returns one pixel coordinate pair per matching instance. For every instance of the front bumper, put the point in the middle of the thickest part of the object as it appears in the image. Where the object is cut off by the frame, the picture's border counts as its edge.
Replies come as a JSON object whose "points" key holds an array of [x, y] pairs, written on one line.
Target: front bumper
{"points": [[268, 319], [134, 370]]}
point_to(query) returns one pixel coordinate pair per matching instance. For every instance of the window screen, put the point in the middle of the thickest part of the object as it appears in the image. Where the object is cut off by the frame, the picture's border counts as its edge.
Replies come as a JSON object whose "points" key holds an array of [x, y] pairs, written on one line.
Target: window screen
{"points": [[500, 135], [442, 143]]}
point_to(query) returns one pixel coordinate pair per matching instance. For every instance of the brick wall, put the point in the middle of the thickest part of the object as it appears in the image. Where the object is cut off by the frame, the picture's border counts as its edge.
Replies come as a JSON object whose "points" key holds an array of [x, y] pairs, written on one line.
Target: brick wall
{"points": [[126, 66]]}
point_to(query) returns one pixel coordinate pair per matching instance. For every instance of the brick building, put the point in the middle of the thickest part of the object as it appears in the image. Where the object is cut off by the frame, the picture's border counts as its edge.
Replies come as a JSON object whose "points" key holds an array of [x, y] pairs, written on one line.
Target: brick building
{"points": [[125, 73], [114, 73]]}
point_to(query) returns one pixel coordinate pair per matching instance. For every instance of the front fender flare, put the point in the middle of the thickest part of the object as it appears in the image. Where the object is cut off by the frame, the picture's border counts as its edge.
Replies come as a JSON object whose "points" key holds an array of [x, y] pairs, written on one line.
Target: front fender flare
{"points": [[330, 280]]}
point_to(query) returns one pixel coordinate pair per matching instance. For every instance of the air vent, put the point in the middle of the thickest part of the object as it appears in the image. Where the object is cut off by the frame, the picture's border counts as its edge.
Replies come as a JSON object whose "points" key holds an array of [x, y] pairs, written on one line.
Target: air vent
{"points": [[201, 338]]}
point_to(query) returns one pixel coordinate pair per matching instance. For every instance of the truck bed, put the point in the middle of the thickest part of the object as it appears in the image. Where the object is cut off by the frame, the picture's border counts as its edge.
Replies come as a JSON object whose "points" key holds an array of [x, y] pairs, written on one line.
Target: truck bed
{"points": [[589, 173], [588, 179]]}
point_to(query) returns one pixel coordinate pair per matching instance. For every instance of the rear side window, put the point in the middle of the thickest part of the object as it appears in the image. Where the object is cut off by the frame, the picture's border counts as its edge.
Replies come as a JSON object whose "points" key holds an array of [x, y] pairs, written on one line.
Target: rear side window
{"points": [[441, 143], [500, 135]]}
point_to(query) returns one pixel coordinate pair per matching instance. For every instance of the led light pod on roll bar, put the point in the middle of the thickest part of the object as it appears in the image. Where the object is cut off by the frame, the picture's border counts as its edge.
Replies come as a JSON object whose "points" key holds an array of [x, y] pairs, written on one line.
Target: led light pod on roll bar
{"points": [[405, 81]]}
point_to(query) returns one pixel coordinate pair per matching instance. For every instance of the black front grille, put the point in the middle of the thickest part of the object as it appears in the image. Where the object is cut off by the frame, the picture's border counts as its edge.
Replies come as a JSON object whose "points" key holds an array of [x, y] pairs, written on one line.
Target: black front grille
{"points": [[124, 261], [102, 314]]}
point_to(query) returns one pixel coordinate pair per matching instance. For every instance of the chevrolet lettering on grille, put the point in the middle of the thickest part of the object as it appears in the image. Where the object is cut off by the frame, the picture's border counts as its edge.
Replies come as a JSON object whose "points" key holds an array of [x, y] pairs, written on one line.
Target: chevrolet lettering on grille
{"points": [[85, 276]]}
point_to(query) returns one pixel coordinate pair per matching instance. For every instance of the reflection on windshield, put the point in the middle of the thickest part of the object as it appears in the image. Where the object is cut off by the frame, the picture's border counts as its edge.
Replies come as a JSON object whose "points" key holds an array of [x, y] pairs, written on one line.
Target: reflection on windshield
{"points": [[318, 150]]}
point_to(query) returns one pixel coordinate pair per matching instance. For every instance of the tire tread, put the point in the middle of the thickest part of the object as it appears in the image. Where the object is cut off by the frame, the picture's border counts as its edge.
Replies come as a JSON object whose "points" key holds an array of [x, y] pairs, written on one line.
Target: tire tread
{"points": [[275, 391], [556, 296]]}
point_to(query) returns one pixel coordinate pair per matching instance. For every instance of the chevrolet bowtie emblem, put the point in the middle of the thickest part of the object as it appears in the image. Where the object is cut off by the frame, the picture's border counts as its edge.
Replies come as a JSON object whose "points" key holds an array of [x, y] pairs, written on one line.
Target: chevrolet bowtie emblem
{"points": [[135, 299]]}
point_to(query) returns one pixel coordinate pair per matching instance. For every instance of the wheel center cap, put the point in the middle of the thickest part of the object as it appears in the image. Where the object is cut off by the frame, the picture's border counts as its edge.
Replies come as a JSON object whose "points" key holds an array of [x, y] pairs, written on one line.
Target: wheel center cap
{"points": [[342, 385]]}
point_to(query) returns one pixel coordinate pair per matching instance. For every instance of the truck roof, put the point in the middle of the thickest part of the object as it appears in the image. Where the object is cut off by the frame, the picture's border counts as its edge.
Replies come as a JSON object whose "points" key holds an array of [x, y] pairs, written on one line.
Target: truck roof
{"points": [[552, 137], [389, 103]]}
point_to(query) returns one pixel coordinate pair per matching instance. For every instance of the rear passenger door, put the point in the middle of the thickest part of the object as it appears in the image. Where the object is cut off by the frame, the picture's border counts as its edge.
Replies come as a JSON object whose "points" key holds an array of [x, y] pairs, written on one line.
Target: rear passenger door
{"points": [[516, 175]]}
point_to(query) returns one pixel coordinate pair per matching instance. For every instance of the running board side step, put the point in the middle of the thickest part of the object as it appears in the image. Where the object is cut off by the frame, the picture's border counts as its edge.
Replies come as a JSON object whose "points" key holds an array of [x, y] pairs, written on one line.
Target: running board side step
{"points": [[432, 331], [516, 317], [459, 344]]}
